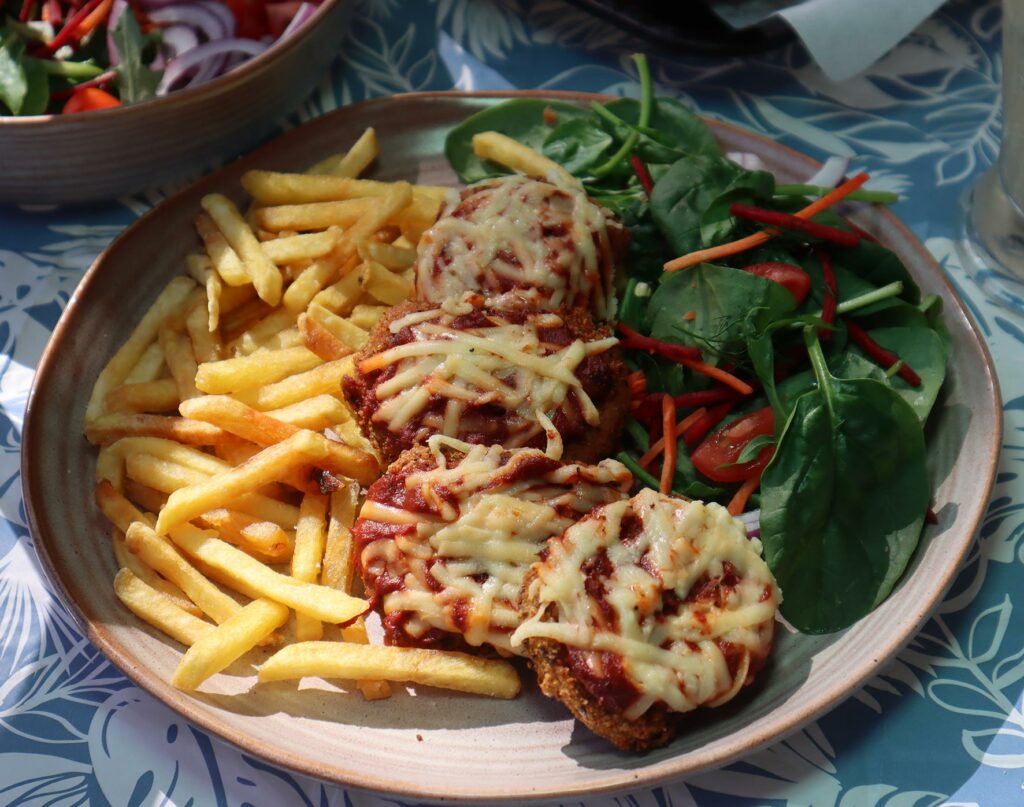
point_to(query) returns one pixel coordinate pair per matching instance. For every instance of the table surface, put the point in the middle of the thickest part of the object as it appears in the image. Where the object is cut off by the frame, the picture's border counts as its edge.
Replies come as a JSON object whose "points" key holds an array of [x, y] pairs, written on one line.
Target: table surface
{"points": [[943, 723]]}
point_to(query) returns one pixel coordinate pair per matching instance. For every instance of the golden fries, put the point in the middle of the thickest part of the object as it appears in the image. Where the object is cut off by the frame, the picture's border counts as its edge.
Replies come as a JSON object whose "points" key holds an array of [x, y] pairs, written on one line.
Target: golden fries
{"points": [[319, 602], [265, 540], [363, 152], [310, 539], [214, 651], [260, 269], [257, 370], [302, 448], [111, 428], [384, 285], [128, 355], [458, 671], [320, 340], [340, 553], [150, 606]]}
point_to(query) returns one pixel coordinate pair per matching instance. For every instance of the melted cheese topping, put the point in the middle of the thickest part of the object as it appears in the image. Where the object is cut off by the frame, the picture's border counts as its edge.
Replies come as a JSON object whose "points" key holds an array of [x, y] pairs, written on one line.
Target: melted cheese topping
{"points": [[501, 364], [462, 566], [547, 245], [671, 647]]}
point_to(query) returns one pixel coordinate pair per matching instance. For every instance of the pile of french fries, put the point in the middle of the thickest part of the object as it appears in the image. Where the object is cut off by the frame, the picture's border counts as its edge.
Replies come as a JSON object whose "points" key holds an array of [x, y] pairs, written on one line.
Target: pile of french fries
{"points": [[229, 465]]}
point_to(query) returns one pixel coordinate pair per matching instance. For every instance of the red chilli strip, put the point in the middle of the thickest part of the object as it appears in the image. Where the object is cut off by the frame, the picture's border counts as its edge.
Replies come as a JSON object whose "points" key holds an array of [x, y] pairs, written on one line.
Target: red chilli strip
{"points": [[698, 430], [642, 174], [26, 11], [878, 354], [787, 221], [72, 25], [637, 341], [861, 232], [828, 305]]}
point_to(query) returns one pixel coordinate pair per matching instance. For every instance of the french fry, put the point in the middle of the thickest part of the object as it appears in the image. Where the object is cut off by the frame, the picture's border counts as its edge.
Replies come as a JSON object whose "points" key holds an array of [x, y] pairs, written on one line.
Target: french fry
{"points": [[512, 154], [152, 607], [310, 539], [302, 448], [321, 341], [276, 188], [148, 396], [339, 561], [117, 509], [388, 255], [264, 539], [264, 430], [384, 285], [366, 316], [198, 267], [316, 413], [363, 152], [126, 560], [149, 367], [146, 497], [160, 555], [342, 329], [111, 428], [180, 360], [323, 379], [303, 247], [256, 370], [223, 258], [325, 604], [243, 317], [117, 369], [373, 690], [230, 641], [349, 433], [458, 671], [265, 332], [205, 340], [167, 477], [261, 270], [341, 297]]}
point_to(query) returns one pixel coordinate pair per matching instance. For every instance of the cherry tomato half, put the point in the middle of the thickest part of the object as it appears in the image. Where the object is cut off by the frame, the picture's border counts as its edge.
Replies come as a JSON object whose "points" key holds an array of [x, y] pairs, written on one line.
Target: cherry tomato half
{"points": [[86, 99], [725, 444], [796, 281], [251, 16]]}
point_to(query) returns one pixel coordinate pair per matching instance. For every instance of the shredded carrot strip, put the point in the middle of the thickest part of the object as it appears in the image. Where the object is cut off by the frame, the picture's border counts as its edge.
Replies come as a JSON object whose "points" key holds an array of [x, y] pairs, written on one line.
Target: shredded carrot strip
{"points": [[751, 241], [98, 16], [668, 465], [681, 426], [738, 503], [718, 374]]}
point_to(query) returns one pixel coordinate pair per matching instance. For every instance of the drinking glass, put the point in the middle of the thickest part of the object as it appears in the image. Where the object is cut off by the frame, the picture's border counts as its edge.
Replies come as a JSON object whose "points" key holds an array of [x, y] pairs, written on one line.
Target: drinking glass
{"points": [[992, 246]]}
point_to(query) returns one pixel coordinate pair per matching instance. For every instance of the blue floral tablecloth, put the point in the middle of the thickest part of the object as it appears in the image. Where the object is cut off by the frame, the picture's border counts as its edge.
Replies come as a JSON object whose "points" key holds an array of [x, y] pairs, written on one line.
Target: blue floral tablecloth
{"points": [[942, 724]]}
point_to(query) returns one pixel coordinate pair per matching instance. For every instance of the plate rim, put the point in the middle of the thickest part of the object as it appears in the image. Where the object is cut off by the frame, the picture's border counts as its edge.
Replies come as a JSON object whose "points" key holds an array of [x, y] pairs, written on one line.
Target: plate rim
{"points": [[736, 746]]}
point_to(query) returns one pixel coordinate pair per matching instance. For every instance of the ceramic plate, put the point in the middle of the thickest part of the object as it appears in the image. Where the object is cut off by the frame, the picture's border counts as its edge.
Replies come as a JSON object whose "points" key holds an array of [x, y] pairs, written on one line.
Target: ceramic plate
{"points": [[430, 744]]}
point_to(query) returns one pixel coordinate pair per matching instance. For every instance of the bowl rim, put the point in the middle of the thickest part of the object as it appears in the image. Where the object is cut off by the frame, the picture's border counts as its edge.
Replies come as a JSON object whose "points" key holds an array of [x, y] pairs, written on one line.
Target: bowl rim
{"points": [[621, 780], [277, 48]]}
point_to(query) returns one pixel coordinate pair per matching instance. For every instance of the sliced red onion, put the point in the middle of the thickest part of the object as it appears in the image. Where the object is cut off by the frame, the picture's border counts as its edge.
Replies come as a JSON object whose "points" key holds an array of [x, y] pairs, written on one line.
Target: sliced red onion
{"points": [[177, 39], [221, 10], [199, 58], [745, 159], [196, 17], [302, 13], [116, 10], [831, 173], [752, 521]]}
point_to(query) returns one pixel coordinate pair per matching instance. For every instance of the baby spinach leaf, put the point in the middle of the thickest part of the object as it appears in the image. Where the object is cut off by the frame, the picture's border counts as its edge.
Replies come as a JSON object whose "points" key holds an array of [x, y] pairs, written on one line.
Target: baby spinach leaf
{"points": [[37, 88], [578, 145], [522, 119], [843, 499], [877, 265], [672, 131], [924, 350], [135, 81], [724, 302], [690, 187]]}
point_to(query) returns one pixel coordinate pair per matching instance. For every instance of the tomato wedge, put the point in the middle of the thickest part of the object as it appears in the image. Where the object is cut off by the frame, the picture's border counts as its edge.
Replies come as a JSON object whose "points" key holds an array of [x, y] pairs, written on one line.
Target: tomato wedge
{"points": [[251, 16], [724, 445], [86, 99], [795, 280]]}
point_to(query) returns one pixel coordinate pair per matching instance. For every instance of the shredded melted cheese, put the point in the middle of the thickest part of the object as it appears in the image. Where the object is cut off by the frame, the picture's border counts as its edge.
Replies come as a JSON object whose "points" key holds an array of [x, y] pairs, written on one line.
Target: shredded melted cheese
{"points": [[503, 364], [462, 567], [547, 245], [671, 654]]}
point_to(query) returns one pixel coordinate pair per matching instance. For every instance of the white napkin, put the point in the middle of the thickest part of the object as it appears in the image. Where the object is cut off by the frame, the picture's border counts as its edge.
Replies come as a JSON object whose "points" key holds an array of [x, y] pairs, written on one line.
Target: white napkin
{"points": [[842, 36]]}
